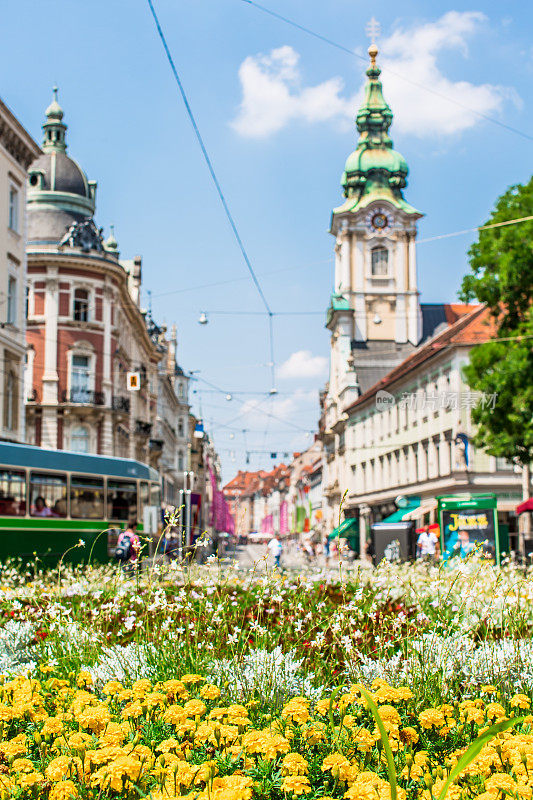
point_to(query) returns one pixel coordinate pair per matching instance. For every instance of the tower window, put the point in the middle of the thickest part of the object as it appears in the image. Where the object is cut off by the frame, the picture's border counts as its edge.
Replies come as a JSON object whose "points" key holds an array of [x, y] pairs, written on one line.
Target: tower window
{"points": [[81, 305], [380, 261]]}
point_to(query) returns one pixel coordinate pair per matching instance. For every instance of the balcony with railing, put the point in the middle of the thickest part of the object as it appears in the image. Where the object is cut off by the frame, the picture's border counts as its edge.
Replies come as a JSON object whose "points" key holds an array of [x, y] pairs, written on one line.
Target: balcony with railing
{"points": [[83, 397], [143, 428], [121, 404]]}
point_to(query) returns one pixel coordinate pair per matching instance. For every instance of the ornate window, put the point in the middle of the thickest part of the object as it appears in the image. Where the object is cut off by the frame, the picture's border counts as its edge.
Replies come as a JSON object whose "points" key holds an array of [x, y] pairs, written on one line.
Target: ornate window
{"points": [[380, 261], [81, 305], [80, 378], [13, 209], [11, 300], [10, 396], [180, 461], [79, 439], [181, 428]]}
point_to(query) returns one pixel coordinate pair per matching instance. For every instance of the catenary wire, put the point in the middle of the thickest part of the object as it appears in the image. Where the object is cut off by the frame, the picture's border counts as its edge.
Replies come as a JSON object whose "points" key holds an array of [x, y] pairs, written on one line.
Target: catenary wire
{"points": [[338, 46], [215, 180]]}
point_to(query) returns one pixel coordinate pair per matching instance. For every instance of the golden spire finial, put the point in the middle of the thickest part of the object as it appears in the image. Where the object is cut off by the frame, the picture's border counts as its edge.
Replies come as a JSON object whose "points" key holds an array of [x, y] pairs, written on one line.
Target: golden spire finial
{"points": [[373, 29]]}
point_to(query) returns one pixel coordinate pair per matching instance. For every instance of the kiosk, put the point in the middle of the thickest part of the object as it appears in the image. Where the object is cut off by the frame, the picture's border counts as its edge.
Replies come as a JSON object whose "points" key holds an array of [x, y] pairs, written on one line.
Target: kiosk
{"points": [[467, 521]]}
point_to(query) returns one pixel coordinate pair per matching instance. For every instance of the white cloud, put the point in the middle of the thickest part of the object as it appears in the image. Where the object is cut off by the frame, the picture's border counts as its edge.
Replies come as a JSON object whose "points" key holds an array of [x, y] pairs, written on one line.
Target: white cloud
{"points": [[273, 94], [303, 364]]}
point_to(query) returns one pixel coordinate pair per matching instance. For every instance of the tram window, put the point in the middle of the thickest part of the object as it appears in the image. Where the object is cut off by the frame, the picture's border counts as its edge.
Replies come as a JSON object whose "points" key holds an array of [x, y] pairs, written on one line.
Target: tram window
{"points": [[48, 495], [12, 493], [86, 497], [121, 500], [155, 495], [145, 496]]}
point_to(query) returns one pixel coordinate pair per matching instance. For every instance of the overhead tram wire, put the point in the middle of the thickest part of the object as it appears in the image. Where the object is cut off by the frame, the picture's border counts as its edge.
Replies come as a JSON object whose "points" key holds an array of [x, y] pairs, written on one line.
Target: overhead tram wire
{"points": [[217, 185], [338, 46]]}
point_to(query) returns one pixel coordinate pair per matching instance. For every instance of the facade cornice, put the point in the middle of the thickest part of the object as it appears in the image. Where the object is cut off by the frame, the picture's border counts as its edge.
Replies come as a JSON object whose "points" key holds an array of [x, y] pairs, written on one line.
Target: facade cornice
{"points": [[16, 139]]}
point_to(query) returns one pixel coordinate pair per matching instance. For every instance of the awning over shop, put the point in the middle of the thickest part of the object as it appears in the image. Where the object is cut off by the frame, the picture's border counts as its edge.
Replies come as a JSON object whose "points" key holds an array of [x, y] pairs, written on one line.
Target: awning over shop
{"points": [[419, 511], [527, 505], [350, 527], [401, 513]]}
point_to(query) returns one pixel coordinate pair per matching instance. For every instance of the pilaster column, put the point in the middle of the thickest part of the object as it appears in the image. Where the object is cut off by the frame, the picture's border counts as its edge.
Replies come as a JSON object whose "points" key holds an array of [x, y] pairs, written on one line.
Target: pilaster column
{"points": [[51, 308], [107, 385], [345, 262]]}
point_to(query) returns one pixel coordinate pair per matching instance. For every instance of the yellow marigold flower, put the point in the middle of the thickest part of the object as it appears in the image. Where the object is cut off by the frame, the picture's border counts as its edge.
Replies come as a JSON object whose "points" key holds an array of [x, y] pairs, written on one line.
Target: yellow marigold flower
{"points": [[296, 710], [322, 706], [210, 692], [63, 767], [194, 708], [117, 773], [296, 784], [365, 740], [167, 745], [27, 780], [334, 760], [78, 741], [112, 687], [94, 718], [495, 711], [22, 765], [409, 735], [141, 686], [65, 790], [314, 733], [294, 764], [175, 688], [488, 689], [192, 678], [520, 701], [84, 678], [275, 745], [174, 715], [52, 726], [204, 772], [432, 718]]}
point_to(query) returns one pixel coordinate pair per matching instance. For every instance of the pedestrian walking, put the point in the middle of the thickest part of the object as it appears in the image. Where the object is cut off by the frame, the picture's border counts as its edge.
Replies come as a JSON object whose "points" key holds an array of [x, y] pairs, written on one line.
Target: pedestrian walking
{"points": [[128, 546], [275, 549], [427, 545]]}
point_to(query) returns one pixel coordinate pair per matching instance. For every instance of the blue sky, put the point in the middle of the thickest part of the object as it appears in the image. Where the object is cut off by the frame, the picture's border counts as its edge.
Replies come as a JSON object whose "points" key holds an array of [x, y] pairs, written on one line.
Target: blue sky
{"points": [[275, 107]]}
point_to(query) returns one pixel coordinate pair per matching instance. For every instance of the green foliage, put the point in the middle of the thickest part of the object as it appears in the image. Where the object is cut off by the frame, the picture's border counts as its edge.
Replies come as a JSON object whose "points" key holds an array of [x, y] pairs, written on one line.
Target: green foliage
{"points": [[502, 278], [502, 260], [503, 370]]}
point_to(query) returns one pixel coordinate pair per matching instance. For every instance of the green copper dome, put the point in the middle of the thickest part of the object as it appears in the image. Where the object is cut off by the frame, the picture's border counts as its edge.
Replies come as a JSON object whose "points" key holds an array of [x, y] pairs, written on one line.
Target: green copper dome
{"points": [[374, 171]]}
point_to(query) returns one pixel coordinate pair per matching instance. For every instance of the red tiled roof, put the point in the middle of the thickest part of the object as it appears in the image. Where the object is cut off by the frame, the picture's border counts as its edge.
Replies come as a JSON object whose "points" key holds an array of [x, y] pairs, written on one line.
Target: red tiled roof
{"points": [[474, 327]]}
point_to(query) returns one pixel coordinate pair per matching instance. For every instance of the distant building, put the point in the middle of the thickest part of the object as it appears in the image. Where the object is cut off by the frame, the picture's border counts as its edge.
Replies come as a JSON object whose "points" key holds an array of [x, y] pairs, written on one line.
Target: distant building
{"points": [[85, 330], [171, 432], [17, 151]]}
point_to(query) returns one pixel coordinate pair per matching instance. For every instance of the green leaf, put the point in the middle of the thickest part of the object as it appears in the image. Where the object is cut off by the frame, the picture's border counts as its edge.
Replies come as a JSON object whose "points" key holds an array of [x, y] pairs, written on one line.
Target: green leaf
{"points": [[391, 768], [474, 750]]}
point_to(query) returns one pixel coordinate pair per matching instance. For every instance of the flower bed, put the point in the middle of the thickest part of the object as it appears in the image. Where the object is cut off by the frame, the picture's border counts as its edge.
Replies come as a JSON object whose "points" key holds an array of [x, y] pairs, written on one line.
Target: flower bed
{"points": [[185, 736]]}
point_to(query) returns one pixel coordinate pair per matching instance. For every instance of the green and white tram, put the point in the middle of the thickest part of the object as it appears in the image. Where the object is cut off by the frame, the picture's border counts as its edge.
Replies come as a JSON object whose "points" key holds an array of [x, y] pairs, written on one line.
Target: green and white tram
{"points": [[50, 499]]}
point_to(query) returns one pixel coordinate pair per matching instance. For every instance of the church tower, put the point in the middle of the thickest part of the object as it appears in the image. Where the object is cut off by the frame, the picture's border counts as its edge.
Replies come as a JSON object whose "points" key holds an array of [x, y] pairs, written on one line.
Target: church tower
{"points": [[374, 314]]}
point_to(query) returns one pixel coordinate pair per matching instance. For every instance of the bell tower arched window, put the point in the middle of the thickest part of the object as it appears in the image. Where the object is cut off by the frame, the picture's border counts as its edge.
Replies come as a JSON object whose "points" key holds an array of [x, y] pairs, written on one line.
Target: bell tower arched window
{"points": [[380, 261]]}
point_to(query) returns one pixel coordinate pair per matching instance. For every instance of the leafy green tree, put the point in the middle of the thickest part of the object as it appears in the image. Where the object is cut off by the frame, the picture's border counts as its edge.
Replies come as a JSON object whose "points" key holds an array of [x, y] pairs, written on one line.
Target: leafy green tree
{"points": [[502, 278], [502, 260]]}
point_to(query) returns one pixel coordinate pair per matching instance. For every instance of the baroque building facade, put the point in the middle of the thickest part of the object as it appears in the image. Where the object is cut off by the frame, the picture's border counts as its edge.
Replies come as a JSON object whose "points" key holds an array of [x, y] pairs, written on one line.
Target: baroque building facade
{"points": [[85, 329], [383, 339], [17, 151]]}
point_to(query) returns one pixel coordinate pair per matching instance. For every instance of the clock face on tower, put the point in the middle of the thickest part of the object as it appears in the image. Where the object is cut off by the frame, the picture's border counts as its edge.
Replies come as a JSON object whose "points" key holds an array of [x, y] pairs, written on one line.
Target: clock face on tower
{"points": [[379, 220]]}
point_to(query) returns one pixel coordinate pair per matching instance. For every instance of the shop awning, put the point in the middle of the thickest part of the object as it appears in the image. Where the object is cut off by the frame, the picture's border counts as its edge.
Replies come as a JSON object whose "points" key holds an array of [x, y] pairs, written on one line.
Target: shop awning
{"points": [[401, 513], [350, 527], [418, 511], [527, 505]]}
